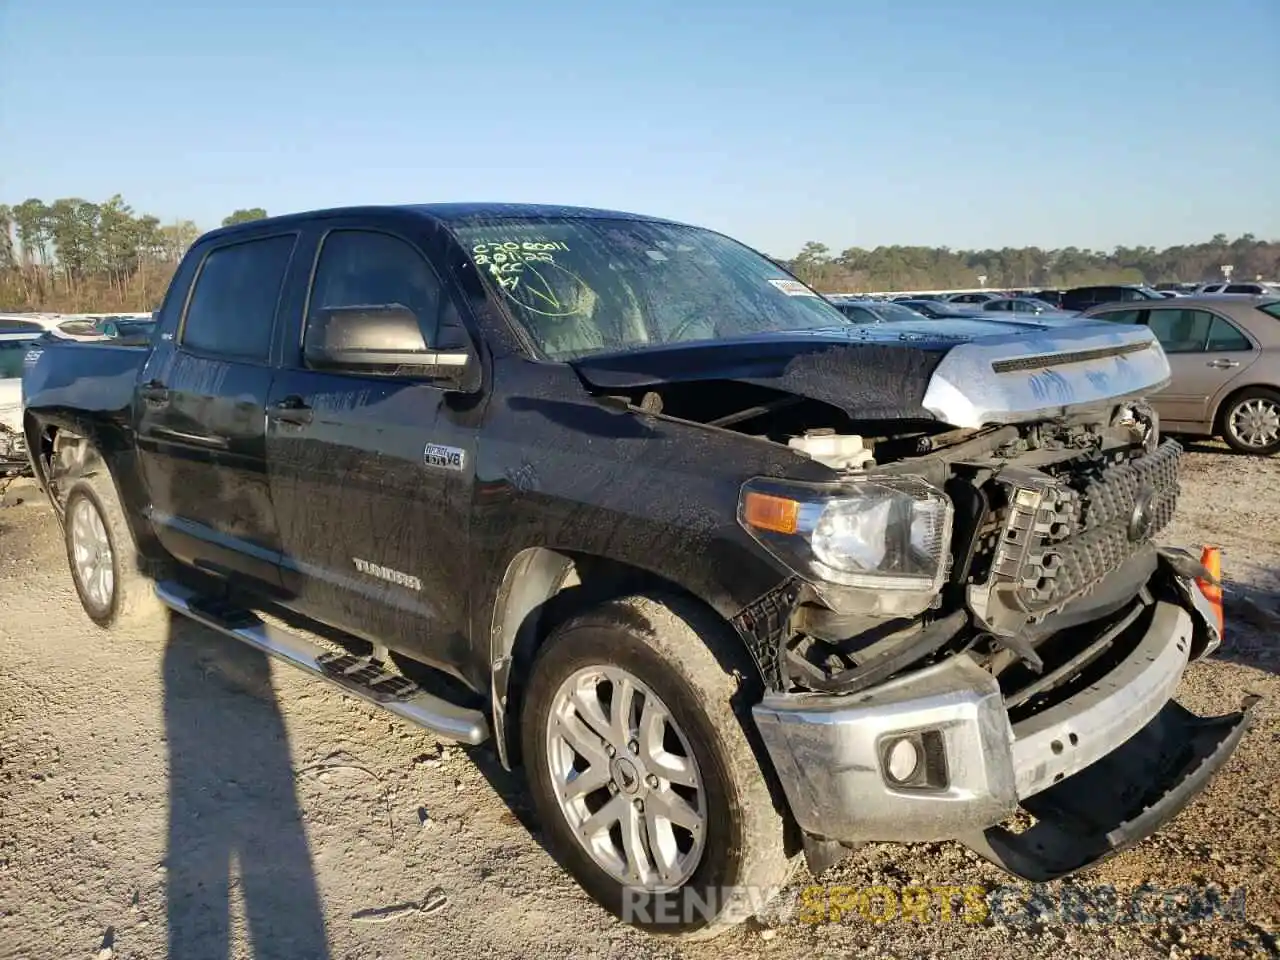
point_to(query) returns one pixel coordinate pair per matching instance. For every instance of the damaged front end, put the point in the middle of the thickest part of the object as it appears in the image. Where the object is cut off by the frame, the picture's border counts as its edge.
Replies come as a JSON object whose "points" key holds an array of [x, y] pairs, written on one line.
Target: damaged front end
{"points": [[986, 628]]}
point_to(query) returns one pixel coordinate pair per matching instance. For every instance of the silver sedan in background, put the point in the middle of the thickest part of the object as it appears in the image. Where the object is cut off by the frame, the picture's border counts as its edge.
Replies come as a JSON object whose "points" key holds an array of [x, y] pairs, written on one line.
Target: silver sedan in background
{"points": [[1224, 353]]}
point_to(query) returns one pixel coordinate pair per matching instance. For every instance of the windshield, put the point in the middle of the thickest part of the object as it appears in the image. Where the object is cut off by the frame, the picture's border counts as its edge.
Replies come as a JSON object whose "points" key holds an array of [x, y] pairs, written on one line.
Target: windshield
{"points": [[584, 286], [11, 355]]}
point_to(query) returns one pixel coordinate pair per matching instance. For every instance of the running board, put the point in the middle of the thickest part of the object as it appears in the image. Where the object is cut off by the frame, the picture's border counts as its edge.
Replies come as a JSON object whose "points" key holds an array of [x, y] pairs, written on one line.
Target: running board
{"points": [[359, 676]]}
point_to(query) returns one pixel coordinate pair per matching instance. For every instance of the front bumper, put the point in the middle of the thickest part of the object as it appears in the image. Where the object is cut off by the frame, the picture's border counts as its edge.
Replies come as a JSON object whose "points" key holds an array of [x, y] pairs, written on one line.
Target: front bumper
{"points": [[1099, 770]]}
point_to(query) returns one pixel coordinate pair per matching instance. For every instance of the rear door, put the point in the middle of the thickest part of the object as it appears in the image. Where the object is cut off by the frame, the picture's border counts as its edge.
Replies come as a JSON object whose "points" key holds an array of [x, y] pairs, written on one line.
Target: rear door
{"points": [[1206, 352], [371, 475], [200, 409]]}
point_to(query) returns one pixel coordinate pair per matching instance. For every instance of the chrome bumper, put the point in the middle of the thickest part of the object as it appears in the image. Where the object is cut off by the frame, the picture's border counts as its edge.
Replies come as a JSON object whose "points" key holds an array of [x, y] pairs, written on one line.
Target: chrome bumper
{"points": [[829, 751]]}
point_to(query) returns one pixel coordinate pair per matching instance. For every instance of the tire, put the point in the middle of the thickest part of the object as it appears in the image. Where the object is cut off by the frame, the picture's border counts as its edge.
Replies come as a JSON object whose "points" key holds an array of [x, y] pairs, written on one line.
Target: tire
{"points": [[110, 576], [685, 664], [1256, 407]]}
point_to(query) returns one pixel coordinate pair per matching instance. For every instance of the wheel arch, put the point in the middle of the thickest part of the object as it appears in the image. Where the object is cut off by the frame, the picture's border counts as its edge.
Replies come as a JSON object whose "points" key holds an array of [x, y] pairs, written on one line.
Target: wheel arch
{"points": [[541, 588], [62, 454], [1224, 403]]}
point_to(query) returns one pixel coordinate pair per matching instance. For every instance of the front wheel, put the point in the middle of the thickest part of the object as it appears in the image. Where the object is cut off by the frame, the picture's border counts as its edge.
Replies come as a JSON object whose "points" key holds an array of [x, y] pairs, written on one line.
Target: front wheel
{"points": [[641, 770], [1251, 423]]}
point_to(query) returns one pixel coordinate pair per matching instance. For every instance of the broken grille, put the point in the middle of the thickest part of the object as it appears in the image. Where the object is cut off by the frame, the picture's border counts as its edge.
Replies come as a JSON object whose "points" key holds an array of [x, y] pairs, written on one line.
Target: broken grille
{"points": [[1062, 539]]}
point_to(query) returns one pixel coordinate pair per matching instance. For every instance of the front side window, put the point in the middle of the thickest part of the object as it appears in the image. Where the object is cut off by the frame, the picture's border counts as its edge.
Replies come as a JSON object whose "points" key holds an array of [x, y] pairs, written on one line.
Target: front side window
{"points": [[587, 286], [363, 268], [1271, 309], [233, 306], [1181, 331]]}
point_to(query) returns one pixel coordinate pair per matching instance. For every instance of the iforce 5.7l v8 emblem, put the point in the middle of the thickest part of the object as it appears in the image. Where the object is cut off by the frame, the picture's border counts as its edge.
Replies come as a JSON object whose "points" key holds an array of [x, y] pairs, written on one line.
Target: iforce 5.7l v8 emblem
{"points": [[444, 458]]}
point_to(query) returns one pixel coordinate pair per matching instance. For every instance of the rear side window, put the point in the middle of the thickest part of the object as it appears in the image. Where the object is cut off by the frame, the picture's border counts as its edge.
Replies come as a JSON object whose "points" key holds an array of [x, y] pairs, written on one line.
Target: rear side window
{"points": [[363, 268], [233, 306], [1242, 288], [1223, 336], [1181, 331], [1271, 308]]}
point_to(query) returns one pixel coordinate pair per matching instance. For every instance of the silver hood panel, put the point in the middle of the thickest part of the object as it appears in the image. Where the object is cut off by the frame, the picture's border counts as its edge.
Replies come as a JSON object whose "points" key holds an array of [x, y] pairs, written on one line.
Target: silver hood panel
{"points": [[1023, 377]]}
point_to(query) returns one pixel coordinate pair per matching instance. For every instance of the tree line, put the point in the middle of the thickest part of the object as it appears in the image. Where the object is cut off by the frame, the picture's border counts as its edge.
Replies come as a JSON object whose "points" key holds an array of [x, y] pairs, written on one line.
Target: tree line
{"points": [[940, 268], [78, 256]]}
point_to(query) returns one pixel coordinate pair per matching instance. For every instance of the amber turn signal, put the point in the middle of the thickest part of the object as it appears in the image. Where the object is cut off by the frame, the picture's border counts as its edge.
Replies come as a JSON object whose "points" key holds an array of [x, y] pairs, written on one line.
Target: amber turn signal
{"points": [[766, 512]]}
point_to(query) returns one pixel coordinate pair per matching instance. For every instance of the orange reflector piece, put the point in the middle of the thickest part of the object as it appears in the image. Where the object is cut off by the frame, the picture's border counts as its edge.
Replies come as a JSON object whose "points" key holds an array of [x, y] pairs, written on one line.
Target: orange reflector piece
{"points": [[766, 512], [1211, 560]]}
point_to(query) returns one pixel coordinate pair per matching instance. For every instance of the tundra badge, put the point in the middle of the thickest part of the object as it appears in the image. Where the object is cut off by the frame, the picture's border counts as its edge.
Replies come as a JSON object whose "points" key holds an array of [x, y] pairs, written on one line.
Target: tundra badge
{"points": [[387, 574], [446, 458]]}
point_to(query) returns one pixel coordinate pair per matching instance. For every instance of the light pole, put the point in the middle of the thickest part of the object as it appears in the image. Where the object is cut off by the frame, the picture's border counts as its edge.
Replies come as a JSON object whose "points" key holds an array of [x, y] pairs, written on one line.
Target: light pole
{"points": [[982, 280]]}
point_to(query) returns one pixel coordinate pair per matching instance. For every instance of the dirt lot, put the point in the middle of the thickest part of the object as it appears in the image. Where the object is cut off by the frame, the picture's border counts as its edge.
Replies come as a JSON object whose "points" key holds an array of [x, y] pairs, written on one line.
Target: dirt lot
{"points": [[169, 793]]}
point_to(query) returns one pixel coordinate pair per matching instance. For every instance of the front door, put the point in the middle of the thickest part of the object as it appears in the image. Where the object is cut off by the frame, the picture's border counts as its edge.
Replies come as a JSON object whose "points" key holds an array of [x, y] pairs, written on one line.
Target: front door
{"points": [[200, 408], [371, 475]]}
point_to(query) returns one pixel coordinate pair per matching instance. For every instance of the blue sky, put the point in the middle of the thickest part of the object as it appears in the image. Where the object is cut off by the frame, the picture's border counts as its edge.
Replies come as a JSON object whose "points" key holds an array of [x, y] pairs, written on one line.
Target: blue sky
{"points": [[862, 122]]}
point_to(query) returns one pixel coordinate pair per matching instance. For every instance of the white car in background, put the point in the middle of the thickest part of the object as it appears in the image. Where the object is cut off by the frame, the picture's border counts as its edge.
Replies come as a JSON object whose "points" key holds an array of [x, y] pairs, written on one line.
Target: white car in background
{"points": [[17, 337]]}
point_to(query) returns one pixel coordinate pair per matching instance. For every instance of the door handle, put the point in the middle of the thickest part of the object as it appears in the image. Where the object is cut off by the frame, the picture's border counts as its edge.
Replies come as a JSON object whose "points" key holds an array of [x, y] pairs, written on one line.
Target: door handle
{"points": [[154, 393], [1223, 364], [292, 409]]}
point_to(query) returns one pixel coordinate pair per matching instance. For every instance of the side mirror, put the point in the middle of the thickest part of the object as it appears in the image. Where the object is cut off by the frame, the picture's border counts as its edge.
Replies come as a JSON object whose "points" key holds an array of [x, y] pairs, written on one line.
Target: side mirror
{"points": [[378, 339]]}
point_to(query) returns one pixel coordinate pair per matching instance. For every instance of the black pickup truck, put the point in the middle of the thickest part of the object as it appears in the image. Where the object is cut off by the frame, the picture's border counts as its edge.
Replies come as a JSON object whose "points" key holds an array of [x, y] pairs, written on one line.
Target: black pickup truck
{"points": [[731, 576]]}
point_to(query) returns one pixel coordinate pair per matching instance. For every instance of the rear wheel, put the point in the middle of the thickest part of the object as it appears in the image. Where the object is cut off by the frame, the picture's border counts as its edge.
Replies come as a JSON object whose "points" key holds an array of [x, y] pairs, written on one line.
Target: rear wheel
{"points": [[105, 565], [1251, 422], [640, 767]]}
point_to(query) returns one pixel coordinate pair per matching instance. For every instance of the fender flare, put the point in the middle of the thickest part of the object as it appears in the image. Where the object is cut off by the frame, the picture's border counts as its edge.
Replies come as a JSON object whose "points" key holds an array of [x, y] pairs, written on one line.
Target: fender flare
{"points": [[534, 576]]}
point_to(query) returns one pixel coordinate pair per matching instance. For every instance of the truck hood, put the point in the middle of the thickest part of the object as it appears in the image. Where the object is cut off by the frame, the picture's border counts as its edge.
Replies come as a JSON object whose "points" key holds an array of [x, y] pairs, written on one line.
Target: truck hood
{"points": [[963, 372]]}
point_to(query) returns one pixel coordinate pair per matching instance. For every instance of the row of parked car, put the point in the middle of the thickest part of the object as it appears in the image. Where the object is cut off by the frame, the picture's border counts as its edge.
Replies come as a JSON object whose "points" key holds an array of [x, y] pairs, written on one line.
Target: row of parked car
{"points": [[18, 334], [1223, 349], [1078, 299]]}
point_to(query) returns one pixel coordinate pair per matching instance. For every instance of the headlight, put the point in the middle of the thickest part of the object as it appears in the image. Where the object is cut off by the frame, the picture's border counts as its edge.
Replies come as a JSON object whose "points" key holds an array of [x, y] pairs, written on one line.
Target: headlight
{"points": [[877, 545]]}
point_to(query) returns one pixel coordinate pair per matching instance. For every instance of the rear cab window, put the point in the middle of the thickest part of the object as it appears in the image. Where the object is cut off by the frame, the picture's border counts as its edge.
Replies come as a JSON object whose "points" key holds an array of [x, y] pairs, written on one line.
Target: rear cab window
{"points": [[232, 308]]}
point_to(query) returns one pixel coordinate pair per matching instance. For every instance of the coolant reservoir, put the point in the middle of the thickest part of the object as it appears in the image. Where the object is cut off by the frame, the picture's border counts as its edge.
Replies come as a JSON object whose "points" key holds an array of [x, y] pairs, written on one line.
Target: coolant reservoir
{"points": [[837, 451]]}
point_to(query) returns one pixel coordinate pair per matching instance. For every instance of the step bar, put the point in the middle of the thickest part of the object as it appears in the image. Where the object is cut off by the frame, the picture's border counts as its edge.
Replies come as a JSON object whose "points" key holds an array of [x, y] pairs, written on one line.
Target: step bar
{"points": [[445, 719]]}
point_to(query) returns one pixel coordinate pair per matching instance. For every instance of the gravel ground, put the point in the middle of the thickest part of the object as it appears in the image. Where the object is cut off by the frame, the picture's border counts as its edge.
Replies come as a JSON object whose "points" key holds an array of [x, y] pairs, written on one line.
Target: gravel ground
{"points": [[170, 793]]}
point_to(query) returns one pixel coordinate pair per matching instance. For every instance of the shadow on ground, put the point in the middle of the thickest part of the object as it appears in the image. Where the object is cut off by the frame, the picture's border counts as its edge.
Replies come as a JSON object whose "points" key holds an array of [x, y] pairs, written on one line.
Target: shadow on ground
{"points": [[234, 819], [1209, 445], [1252, 616]]}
